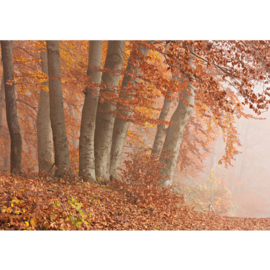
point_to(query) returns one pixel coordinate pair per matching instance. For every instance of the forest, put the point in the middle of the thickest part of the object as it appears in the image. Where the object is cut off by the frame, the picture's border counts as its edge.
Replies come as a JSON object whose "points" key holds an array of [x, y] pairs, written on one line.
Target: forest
{"points": [[134, 135]]}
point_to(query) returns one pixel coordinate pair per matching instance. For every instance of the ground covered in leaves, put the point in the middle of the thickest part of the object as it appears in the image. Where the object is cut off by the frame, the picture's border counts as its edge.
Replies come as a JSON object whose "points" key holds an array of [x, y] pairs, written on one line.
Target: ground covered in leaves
{"points": [[29, 203]]}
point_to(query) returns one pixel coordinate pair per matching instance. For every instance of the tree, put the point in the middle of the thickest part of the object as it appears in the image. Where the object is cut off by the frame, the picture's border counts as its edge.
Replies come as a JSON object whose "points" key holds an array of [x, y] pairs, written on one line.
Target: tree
{"points": [[121, 125], [88, 122], [221, 68], [3, 130], [44, 129], [11, 109], [161, 130], [57, 110], [105, 117], [175, 132], [2, 103]]}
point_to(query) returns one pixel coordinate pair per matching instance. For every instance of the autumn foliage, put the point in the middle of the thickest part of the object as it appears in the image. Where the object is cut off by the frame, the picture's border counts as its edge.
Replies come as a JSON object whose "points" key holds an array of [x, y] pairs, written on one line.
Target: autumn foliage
{"points": [[223, 76], [29, 203], [210, 191]]}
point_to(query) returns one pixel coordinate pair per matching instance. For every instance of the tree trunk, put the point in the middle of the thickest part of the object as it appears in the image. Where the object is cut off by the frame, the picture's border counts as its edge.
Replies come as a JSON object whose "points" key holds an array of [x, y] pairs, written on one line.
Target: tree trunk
{"points": [[2, 103], [89, 111], [11, 109], [175, 133], [214, 161], [74, 132], [3, 130], [44, 129], [120, 126], [161, 130], [105, 119], [242, 167], [57, 110]]}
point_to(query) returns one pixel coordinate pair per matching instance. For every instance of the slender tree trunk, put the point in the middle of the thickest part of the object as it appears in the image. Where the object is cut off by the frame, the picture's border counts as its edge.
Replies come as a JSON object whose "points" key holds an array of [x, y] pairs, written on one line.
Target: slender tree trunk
{"points": [[44, 129], [214, 163], [57, 110], [241, 175], [105, 119], [240, 128], [11, 109], [2, 103], [3, 131], [89, 111], [161, 130], [74, 140], [175, 133], [214, 157], [120, 126]]}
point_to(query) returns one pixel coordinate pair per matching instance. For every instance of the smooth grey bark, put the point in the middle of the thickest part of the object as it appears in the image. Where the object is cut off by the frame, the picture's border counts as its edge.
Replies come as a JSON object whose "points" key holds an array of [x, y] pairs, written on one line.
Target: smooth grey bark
{"points": [[105, 119], [57, 117], [89, 111], [120, 126], [44, 129], [74, 140], [161, 130], [174, 134], [11, 109]]}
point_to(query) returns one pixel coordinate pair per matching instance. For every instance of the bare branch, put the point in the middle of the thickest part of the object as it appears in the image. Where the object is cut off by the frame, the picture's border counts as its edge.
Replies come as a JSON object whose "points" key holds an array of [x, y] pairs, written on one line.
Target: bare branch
{"points": [[18, 47], [34, 108]]}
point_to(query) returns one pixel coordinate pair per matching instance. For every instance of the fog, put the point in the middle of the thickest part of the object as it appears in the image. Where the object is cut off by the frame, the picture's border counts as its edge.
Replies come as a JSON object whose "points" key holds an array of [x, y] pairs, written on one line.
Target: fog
{"points": [[248, 177]]}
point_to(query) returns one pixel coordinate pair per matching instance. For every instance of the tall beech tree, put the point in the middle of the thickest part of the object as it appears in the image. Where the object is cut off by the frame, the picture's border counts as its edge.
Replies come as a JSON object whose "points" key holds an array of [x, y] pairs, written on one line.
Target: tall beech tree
{"points": [[175, 131], [105, 117], [11, 109], [88, 122], [44, 129], [57, 110], [121, 125]]}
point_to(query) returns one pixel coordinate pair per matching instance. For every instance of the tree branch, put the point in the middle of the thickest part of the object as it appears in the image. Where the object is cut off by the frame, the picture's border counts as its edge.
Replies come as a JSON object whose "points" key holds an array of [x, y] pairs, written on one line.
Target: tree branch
{"points": [[34, 108]]}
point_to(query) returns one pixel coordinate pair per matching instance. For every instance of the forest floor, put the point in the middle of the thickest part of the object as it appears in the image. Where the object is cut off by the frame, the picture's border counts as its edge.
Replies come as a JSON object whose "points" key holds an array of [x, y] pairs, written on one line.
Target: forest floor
{"points": [[29, 203]]}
